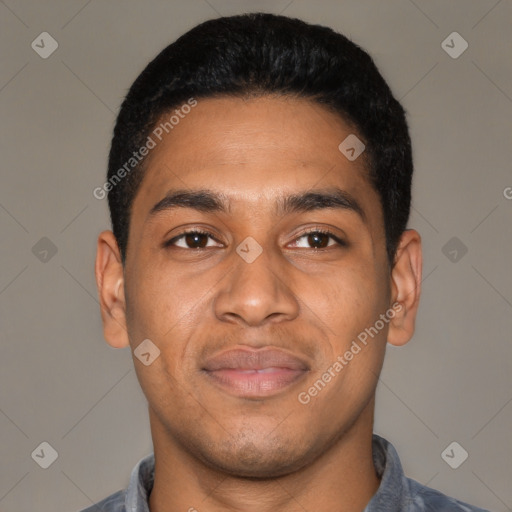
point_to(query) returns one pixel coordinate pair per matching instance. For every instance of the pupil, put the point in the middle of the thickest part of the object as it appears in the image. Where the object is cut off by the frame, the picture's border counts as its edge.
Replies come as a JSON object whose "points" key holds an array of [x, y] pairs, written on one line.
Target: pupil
{"points": [[196, 239], [319, 240]]}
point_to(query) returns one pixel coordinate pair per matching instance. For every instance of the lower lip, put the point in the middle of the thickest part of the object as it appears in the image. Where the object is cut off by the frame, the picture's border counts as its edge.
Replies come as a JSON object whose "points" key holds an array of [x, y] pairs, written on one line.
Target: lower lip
{"points": [[254, 384]]}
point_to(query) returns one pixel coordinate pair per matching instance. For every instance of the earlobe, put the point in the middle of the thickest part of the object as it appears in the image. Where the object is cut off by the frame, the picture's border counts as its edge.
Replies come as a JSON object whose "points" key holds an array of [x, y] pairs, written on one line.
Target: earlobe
{"points": [[405, 287], [110, 282]]}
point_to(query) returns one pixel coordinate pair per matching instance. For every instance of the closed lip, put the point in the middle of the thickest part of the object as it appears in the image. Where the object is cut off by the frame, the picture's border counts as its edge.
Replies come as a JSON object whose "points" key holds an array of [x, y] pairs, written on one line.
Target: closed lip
{"points": [[254, 359]]}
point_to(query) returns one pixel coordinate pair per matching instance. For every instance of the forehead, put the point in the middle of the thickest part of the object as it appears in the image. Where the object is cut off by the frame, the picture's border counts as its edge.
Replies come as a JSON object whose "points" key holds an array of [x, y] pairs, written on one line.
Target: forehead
{"points": [[252, 151]]}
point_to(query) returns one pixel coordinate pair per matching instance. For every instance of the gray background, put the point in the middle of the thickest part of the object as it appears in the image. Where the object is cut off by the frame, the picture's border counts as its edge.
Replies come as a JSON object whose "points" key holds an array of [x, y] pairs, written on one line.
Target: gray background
{"points": [[62, 384]]}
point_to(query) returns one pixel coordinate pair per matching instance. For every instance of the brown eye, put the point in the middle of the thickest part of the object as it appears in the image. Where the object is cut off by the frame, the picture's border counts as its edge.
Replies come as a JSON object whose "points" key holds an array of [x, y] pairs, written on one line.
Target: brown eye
{"points": [[193, 240], [317, 240]]}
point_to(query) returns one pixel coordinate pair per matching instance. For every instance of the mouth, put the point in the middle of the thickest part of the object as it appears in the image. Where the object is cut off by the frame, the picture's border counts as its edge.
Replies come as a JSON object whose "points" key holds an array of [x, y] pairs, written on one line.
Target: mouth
{"points": [[252, 373]]}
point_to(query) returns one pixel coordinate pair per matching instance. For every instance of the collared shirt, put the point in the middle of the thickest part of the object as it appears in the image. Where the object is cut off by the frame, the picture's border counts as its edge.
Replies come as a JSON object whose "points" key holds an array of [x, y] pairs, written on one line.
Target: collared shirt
{"points": [[396, 492]]}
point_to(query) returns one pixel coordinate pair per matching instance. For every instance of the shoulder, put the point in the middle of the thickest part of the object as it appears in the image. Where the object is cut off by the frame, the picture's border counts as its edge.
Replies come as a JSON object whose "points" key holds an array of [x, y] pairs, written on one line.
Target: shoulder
{"points": [[422, 498], [399, 493], [113, 503], [135, 496]]}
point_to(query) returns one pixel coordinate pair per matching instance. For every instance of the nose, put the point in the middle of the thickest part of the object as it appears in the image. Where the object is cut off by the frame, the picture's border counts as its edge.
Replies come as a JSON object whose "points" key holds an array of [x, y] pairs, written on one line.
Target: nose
{"points": [[256, 292]]}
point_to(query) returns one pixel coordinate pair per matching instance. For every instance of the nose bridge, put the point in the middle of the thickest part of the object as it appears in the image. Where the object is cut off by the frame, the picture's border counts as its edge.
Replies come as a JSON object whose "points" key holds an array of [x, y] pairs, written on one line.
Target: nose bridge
{"points": [[256, 288]]}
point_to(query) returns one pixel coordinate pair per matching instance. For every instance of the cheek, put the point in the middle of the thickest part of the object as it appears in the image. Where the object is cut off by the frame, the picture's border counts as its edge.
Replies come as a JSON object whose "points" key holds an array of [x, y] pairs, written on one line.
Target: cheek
{"points": [[349, 300], [345, 381], [163, 299], [168, 306], [161, 308]]}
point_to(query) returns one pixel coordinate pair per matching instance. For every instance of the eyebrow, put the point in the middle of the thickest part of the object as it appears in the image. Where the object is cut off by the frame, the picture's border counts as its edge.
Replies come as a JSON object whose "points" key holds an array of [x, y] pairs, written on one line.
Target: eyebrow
{"points": [[208, 201]]}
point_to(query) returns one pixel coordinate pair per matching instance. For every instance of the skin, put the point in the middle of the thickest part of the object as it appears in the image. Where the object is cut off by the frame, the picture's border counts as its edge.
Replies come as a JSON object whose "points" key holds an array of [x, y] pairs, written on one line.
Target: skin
{"points": [[219, 452]]}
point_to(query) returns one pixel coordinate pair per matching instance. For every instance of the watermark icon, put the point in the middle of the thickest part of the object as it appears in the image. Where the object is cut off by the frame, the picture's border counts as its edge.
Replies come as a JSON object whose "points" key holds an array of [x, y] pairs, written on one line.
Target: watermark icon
{"points": [[304, 397], [44, 45], [352, 147], [137, 156], [45, 455], [44, 250], [146, 352], [454, 45], [248, 249], [507, 192], [454, 249], [454, 455]]}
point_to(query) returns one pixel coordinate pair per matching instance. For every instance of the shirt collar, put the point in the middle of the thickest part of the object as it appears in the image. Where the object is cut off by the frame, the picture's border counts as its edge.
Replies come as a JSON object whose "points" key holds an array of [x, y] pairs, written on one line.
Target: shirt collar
{"points": [[141, 483], [392, 492]]}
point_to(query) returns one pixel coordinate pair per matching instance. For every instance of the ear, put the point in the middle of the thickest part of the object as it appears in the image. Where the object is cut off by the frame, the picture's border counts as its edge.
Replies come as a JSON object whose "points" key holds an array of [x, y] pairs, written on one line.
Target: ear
{"points": [[405, 287], [110, 283]]}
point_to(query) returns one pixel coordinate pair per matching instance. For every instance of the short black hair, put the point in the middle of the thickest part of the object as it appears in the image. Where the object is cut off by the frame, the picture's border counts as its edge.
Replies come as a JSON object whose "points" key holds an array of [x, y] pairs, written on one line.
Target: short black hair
{"points": [[265, 54]]}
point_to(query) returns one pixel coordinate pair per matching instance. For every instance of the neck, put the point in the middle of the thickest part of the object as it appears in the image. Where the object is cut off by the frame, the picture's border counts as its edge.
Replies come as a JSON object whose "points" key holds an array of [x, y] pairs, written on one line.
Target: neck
{"points": [[342, 478]]}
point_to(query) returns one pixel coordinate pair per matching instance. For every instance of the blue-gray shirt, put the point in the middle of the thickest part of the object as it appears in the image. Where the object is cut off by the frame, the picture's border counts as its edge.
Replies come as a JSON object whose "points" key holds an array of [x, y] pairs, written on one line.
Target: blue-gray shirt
{"points": [[396, 492]]}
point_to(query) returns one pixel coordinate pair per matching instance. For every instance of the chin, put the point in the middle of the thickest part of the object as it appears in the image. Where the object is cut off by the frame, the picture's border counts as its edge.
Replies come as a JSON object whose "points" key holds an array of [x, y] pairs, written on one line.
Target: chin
{"points": [[250, 460]]}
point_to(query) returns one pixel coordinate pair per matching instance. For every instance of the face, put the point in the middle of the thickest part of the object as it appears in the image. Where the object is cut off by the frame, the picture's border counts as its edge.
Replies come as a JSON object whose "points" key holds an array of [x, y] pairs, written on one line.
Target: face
{"points": [[256, 260]]}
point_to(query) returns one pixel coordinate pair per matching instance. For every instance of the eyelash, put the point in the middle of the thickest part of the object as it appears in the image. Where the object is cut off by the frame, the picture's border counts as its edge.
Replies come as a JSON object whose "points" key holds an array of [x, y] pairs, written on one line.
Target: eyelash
{"points": [[174, 239], [321, 231], [331, 235]]}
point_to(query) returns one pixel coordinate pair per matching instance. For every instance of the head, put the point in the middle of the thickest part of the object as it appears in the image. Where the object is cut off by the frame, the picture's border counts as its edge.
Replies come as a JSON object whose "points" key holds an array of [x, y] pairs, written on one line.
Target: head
{"points": [[266, 55], [242, 222]]}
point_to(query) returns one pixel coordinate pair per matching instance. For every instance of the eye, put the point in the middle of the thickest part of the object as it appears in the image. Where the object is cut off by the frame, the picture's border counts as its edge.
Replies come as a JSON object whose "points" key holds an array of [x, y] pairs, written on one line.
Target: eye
{"points": [[317, 239], [193, 240]]}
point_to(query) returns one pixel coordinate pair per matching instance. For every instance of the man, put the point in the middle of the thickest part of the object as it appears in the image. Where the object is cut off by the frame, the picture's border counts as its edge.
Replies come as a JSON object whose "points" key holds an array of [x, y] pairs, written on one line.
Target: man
{"points": [[259, 188]]}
